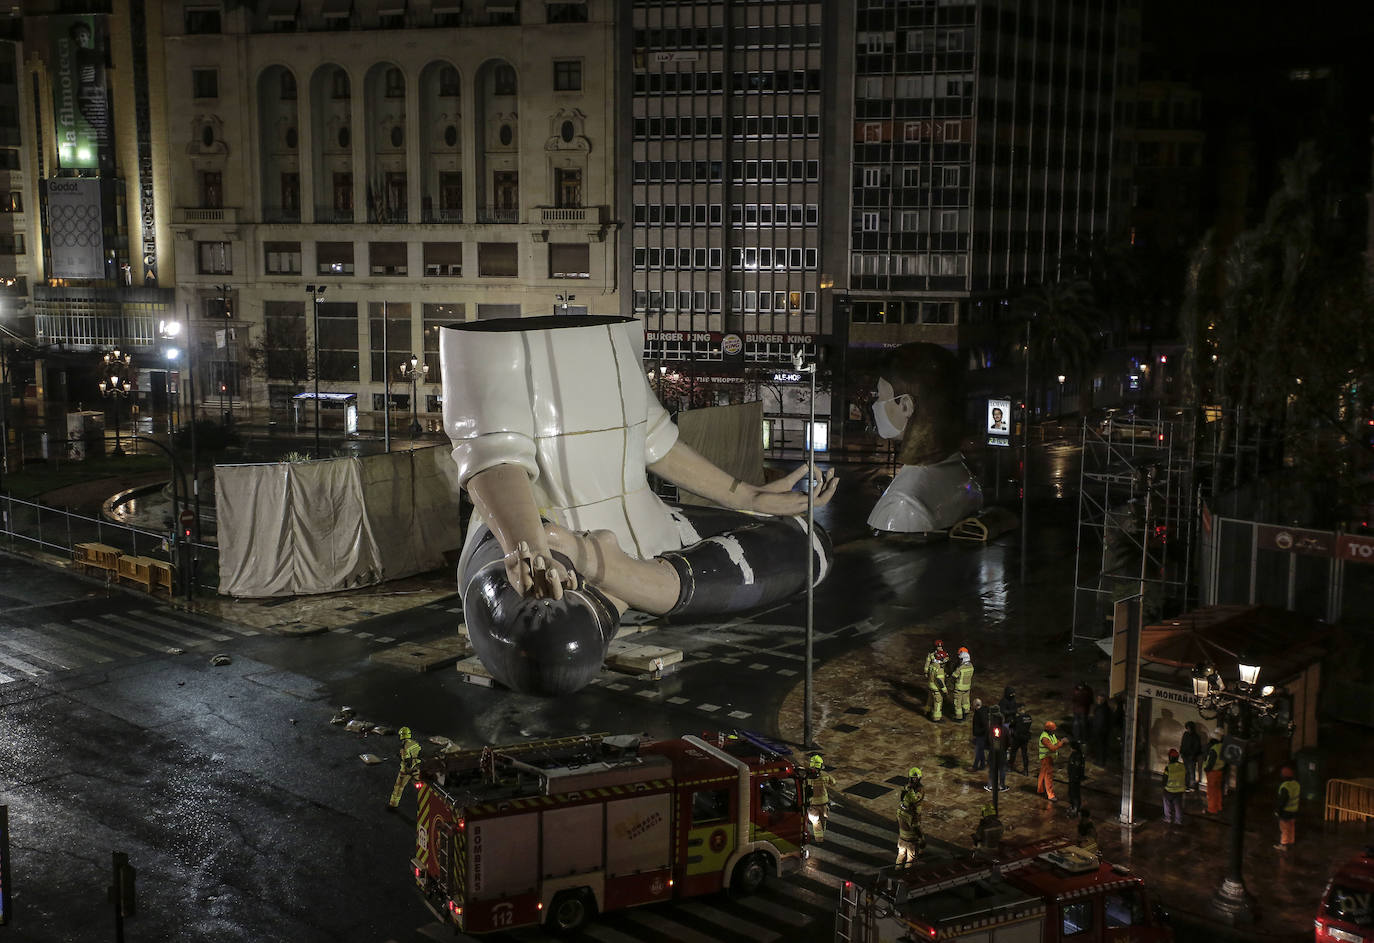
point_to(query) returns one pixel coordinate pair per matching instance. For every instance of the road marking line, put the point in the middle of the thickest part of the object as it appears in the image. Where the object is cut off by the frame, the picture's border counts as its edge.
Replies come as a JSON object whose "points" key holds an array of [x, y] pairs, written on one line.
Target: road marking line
{"points": [[126, 636], [776, 911], [180, 641], [666, 928], [728, 921], [165, 622]]}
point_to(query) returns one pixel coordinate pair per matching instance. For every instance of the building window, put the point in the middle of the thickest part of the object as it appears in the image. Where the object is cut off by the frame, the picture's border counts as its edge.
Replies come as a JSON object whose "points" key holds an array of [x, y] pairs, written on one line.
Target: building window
{"points": [[498, 260], [284, 341], [870, 222], [282, 258], [567, 75], [871, 177], [387, 258], [569, 260], [908, 221], [949, 220], [950, 177], [11, 243], [288, 85], [503, 80], [911, 176], [211, 189], [291, 196], [448, 82], [574, 12], [336, 347], [395, 83], [567, 187], [343, 194], [202, 22], [214, 258], [953, 131], [433, 318], [443, 259], [334, 258], [451, 197], [12, 202], [205, 83], [388, 331], [339, 84]]}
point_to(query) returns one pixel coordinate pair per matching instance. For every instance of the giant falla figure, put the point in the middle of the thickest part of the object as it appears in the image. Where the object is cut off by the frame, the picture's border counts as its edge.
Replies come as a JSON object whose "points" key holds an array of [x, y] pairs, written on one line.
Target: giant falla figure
{"points": [[920, 403], [553, 425]]}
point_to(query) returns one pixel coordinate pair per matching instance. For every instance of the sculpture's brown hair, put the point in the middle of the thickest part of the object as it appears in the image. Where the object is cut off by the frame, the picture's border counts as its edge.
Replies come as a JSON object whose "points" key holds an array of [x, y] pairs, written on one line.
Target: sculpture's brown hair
{"points": [[931, 376]]}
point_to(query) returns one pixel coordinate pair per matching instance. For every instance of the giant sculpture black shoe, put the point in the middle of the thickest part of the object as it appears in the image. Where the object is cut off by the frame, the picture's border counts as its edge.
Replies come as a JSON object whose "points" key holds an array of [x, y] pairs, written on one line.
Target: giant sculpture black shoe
{"points": [[536, 646]]}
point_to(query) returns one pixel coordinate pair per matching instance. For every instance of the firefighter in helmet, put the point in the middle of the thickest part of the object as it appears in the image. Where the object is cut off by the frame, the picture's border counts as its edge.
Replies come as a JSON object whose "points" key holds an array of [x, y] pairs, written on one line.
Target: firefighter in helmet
{"points": [[818, 783], [910, 839], [935, 677], [410, 767], [963, 683]]}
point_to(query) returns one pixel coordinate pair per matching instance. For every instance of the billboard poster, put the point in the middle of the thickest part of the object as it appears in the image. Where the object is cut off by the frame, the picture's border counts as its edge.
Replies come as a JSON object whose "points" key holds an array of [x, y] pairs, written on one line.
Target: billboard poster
{"points": [[80, 102], [999, 422], [74, 227]]}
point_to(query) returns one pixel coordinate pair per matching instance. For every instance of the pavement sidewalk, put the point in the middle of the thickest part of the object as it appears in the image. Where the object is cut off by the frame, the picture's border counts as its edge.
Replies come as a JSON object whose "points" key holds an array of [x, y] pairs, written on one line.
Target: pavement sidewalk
{"points": [[870, 719]]}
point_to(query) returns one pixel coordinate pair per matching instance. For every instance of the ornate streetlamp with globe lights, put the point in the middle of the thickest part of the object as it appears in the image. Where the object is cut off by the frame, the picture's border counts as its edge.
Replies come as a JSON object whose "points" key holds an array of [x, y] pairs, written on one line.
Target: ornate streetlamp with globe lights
{"points": [[414, 371], [1246, 711], [116, 384]]}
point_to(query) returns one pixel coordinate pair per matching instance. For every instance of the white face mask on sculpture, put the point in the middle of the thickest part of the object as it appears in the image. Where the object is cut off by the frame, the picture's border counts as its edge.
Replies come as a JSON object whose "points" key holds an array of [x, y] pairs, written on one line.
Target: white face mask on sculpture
{"points": [[888, 409]]}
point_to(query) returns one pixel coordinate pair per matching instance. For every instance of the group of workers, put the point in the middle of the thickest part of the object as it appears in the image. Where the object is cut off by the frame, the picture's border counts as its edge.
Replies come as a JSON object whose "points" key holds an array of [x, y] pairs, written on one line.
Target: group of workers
{"points": [[940, 677]]}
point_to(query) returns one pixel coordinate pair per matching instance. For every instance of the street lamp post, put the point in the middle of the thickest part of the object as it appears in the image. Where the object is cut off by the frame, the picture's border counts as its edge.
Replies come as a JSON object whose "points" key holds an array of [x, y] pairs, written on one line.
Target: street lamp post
{"points": [[227, 309], [1062, 378], [414, 371], [116, 385], [315, 292], [1245, 711]]}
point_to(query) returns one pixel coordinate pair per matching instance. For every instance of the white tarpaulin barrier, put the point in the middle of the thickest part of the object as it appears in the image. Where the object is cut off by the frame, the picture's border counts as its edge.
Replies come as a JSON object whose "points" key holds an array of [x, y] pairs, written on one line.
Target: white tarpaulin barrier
{"points": [[319, 527]]}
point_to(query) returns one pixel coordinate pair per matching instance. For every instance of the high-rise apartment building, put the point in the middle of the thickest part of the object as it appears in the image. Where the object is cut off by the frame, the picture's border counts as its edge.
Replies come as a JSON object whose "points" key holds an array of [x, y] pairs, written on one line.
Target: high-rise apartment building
{"points": [[726, 143], [980, 147], [347, 177]]}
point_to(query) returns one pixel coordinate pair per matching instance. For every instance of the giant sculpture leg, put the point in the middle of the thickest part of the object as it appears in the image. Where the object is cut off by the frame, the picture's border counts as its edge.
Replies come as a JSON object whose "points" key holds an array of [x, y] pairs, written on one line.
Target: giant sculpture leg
{"points": [[548, 647]]}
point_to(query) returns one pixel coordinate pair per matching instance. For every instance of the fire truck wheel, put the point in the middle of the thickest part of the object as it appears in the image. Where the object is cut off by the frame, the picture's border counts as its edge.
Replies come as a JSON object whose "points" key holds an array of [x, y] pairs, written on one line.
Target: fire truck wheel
{"points": [[749, 875], [570, 912]]}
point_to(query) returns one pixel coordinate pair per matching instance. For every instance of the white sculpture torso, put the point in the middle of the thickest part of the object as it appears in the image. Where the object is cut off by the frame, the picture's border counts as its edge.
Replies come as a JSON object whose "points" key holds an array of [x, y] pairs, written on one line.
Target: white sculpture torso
{"points": [[924, 498], [572, 406]]}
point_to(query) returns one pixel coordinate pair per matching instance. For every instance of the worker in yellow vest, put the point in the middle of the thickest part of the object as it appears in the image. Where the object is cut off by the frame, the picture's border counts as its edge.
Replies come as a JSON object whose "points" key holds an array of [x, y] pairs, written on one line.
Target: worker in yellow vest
{"points": [[1049, 746], [1286, 808], [1175, 784], [1215, 768], [410, 767], [963, 684]]}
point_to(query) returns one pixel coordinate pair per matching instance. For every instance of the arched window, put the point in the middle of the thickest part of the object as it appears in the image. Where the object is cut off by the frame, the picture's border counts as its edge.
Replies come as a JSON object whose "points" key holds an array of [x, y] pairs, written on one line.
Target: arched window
{"points": [[395, 83], [448, 82], [340, 84], [503, 77], [288, 86]]}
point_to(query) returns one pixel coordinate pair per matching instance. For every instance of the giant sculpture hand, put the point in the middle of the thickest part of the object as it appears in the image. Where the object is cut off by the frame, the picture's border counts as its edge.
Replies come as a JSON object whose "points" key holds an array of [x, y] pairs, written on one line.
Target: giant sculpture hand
{"points": [[553, 426]]}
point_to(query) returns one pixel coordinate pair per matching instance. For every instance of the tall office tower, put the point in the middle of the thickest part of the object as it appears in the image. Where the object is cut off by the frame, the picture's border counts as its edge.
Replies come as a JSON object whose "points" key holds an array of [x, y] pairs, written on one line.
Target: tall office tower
{"points": [[351, 175], [726, 133], [97, 244], [981, 151]]}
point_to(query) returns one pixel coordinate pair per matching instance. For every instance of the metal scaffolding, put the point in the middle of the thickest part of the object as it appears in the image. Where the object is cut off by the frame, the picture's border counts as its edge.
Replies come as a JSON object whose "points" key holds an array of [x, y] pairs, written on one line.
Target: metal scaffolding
{"points": [[1142, 485]]}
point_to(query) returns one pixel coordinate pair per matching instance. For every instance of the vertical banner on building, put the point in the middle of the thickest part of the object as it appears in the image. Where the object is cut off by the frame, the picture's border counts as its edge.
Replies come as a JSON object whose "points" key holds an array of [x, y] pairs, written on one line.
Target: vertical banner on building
{"points": [[74, 227], [80, 101]]}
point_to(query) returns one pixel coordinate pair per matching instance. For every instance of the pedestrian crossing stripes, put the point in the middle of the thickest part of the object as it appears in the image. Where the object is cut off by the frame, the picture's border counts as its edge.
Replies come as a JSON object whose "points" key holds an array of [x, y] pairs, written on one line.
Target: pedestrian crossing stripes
{"points": [[29, 650], [798, 906]]}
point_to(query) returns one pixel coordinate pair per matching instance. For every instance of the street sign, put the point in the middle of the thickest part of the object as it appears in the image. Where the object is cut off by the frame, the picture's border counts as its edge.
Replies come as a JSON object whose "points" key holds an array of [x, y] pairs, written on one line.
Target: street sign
{"points": [[188, 519]]}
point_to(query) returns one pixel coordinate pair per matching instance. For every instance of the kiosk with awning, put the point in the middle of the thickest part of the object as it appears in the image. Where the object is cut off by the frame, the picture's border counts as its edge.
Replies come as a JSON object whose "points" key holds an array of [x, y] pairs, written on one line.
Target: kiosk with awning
{"points": [[1289, 646]]}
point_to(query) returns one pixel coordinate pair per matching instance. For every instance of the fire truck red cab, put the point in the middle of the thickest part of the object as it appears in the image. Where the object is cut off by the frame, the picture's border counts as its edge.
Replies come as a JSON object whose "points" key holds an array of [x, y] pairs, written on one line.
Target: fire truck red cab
{"points": [[555, 831], [1346, 913]]}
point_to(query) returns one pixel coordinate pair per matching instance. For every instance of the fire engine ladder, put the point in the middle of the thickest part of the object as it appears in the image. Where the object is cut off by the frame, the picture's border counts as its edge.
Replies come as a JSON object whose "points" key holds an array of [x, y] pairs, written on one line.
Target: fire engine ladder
{"points": [[849, 927]]}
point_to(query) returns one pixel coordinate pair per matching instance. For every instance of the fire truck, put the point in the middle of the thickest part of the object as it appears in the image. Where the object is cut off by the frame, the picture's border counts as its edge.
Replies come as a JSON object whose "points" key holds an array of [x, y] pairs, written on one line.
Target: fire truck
{"points": [[1043, 892], [555, 831]]}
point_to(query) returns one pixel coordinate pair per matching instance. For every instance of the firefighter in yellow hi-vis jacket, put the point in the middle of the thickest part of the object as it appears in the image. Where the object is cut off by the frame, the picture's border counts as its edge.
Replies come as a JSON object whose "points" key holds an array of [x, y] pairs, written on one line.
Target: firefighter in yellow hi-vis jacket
{"points": [[818, 783], [410, 767], [963, 684]]}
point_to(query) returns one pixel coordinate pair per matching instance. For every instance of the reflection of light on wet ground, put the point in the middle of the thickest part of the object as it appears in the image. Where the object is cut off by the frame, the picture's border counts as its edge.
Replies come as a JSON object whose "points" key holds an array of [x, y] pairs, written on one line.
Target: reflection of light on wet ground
{"points": [[152, 511], [992, 586]]}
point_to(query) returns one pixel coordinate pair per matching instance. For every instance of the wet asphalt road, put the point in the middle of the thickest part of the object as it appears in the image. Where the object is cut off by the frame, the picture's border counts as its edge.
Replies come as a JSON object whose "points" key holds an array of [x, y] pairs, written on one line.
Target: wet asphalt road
{"points": [[250, 817]]}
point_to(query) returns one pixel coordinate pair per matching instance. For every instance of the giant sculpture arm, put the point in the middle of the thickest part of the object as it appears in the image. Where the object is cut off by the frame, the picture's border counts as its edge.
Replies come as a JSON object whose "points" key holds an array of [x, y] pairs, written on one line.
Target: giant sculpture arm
{"points": [[687, 468], [502, 495]]}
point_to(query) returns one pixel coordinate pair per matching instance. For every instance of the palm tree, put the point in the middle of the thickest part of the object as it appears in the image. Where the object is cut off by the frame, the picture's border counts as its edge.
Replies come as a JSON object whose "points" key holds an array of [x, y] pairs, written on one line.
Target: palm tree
{"points": [[1065, 335]]}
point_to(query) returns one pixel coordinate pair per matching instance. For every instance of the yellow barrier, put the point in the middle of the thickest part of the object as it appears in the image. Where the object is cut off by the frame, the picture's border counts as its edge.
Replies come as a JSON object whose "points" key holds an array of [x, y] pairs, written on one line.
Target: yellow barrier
{"points": [[1350, 800]]}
